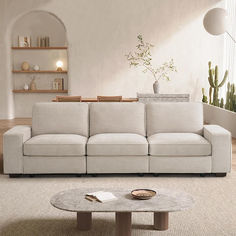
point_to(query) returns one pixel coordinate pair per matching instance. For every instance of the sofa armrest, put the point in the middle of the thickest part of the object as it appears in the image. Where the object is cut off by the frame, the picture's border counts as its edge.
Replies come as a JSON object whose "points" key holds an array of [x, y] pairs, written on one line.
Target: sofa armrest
{"points": [[221, 144], [13, 141]]}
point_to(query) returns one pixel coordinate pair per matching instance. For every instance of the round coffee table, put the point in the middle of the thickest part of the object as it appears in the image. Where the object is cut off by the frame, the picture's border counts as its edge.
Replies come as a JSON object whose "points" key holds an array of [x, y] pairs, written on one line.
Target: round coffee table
{"points": [[164, 202]]}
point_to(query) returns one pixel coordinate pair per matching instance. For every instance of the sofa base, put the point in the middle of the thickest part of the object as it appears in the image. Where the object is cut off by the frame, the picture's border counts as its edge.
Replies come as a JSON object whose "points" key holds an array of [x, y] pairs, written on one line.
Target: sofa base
{"points": [[15, 175], [54, 165], [97, 175], [220, 174], [167, 164], [117, 164]]}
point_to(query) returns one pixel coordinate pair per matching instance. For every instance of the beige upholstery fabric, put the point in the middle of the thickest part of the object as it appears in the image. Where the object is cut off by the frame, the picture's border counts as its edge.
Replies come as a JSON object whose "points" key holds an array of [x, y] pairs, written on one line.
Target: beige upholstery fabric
{"points": [[60, 118], [54, 164], [178, 144], [13, 141], [175, 117], [117, 144], [55, 145], [199, 164], [117, 118], [220, 140], [117, 164]]}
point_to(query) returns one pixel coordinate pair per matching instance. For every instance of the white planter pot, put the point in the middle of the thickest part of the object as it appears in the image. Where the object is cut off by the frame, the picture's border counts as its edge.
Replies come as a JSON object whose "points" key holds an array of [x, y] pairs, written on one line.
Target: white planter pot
{"points": [[220, 116]]}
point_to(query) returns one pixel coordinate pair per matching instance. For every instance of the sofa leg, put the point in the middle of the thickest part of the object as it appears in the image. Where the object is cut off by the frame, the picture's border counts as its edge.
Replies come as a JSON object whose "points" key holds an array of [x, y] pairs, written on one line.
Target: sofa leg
{"points": [[155, 174], [14, 175], [31, 175], [220, 174], [140, 174], [203, 175]]}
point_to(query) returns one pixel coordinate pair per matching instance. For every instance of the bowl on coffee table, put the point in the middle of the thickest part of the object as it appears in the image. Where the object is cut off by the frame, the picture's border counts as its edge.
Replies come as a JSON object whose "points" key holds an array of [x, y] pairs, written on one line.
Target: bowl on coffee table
{"points": [[143, 194]]}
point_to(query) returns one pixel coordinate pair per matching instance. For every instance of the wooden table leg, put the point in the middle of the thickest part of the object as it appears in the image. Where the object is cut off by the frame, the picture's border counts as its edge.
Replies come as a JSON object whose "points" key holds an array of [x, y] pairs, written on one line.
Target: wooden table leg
{"points": [[84, 220], [161, 220], [123, 223]]}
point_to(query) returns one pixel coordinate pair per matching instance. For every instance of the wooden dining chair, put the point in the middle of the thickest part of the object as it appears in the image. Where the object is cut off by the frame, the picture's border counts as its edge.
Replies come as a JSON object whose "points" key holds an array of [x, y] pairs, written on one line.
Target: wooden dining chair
{"points": [[68, 98], [109, 98]]}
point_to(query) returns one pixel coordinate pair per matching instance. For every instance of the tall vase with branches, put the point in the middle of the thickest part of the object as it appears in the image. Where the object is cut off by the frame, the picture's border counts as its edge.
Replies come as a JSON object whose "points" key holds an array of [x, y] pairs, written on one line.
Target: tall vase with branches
{"points": [[142, 57]]}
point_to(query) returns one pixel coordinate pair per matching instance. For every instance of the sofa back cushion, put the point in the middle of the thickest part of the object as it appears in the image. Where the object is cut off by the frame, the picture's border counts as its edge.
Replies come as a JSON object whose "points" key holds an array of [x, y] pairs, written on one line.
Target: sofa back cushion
{"points": [[114, 117], [175, 117], [60, 118]]}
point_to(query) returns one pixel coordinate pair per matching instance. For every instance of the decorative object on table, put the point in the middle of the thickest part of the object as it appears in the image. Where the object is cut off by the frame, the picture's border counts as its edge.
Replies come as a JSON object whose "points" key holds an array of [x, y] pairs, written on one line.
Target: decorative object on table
{"points": [[60, 83], [230, 98], [36, 67], [33, 84], [59, 65], [26, 87], [143, 58], [214, 83], [204, 97], [25, 66], [143, 194], [101, 196], [24, 41]]}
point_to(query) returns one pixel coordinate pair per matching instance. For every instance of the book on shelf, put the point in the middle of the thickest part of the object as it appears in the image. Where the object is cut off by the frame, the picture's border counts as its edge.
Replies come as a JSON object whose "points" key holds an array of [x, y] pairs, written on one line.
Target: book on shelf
{"points": [[101, 196], [58, 84]]}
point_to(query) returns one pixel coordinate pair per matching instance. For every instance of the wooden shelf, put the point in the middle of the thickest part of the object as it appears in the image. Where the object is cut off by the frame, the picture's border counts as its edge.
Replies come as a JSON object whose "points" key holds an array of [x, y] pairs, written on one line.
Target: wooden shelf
{"points": [[39, 48], [40, 91], [40, 71]]}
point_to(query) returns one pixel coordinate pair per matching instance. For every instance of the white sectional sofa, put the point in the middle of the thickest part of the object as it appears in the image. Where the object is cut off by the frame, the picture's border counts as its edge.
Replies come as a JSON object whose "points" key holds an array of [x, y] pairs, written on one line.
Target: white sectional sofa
{"points": [[96, 138]]}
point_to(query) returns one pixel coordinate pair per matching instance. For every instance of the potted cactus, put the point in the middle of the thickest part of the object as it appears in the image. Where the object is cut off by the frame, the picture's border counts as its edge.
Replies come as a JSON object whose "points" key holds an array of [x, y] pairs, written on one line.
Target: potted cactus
{"points": [[213, 79], [230, 98]]}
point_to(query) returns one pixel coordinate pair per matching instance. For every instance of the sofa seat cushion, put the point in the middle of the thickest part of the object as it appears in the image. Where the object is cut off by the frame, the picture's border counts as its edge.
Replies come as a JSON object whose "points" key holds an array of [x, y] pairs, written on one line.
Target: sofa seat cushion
{"points": [[55, 145], [117, 144], [178, 144]]}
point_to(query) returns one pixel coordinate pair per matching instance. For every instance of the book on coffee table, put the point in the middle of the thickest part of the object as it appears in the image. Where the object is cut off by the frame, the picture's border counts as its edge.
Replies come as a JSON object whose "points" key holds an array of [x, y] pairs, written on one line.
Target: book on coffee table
{"points": [[101, 196]]}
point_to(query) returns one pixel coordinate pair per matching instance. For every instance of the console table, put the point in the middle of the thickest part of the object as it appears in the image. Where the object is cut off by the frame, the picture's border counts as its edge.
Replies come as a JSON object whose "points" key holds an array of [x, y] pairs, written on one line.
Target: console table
{"points": [[150, 97]]}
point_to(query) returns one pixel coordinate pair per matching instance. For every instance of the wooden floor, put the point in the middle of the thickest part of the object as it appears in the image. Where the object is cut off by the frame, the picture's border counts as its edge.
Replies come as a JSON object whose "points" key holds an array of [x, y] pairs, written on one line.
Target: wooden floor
{"points": [[7, 124]]}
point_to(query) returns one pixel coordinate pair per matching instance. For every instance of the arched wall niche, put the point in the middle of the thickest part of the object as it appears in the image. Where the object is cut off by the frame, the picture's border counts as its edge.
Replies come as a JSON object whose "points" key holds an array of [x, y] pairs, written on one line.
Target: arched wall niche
{"points": [[36, 23], [39, 23]]}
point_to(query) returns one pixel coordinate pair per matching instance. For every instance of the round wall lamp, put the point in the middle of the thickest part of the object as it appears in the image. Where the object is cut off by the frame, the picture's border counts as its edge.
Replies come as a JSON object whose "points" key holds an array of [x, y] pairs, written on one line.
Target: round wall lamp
{"points": [[215, 22], [59, 65]]}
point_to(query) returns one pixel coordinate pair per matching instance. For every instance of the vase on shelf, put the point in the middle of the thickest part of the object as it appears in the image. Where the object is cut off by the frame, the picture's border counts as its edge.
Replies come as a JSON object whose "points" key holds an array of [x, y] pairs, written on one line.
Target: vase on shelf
{"points": [[26, 87], [156, 87], [33, 84]]}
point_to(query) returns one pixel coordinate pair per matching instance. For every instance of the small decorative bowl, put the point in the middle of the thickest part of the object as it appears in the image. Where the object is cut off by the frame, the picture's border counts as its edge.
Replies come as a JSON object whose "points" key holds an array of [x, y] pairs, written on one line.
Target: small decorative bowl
{"points": [[143, 194]]}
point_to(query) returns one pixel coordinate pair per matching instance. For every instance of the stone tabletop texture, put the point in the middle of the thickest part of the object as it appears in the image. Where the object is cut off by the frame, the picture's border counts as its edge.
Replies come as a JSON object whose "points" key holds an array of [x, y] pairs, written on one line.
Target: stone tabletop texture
{"points": [[165, 201]]}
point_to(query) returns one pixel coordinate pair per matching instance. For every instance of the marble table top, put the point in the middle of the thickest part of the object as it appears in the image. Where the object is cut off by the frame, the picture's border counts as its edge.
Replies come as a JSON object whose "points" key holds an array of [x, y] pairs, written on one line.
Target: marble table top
{"points": [[165, 201]]}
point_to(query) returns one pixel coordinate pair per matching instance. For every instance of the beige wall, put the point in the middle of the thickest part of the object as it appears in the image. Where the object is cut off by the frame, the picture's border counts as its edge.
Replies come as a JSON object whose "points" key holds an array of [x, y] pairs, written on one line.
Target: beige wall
{"points": [[101, 32]]}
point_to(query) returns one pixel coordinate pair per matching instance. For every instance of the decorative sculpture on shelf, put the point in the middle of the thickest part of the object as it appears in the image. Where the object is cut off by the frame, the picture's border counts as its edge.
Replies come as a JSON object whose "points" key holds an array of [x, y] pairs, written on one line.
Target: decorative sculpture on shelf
{"points": [[33, 84], [25, 66]]}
